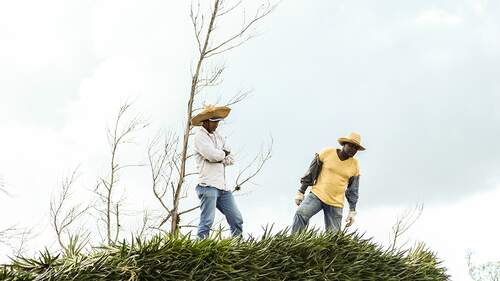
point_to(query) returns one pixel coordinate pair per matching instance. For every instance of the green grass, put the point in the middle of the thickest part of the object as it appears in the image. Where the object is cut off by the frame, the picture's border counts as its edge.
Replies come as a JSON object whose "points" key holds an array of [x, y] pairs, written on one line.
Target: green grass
{"points": [[308, 256]]}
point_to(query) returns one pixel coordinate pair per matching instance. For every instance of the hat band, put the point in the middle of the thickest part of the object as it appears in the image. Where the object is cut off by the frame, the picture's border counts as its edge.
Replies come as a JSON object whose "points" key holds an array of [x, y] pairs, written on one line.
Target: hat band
{"points": [[215, 119]]}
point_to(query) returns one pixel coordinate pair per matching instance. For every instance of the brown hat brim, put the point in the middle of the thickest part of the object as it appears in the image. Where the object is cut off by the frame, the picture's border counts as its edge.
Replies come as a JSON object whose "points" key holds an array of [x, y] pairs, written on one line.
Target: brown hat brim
{"points": [[215, 112], [342, 141]]}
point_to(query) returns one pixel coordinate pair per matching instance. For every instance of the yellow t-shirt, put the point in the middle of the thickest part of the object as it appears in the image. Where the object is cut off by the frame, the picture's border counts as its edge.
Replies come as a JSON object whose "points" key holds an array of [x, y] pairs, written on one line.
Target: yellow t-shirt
{"points": [[334, 176]]}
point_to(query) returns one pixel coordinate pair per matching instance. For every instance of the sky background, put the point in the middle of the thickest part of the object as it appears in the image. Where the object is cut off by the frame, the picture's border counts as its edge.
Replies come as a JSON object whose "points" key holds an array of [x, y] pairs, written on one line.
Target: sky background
{"points": [[417, 79]]}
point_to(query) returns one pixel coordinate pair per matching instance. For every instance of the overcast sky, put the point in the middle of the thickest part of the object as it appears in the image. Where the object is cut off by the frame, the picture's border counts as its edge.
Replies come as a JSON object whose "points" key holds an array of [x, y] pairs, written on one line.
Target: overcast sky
{"points": [[417, 79]]}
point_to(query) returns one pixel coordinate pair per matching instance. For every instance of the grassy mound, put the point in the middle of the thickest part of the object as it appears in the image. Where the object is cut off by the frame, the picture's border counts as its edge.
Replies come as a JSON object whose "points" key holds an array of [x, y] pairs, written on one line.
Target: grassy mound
{"points": [[309, 256]]}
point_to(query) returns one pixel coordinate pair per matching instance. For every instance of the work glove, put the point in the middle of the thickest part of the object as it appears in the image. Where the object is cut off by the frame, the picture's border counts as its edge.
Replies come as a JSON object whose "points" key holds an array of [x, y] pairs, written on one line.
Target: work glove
{"points": [[299, 197], [350, 218]]}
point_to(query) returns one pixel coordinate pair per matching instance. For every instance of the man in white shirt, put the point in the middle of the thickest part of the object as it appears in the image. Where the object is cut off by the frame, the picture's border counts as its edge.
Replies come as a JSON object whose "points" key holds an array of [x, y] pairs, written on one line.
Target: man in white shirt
{"points": [[212, 156]]}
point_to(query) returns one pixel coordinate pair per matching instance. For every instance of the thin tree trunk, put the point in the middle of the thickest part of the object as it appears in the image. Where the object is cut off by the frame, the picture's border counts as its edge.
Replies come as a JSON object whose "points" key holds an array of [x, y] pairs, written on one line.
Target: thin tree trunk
{"points": [[194, 84]]}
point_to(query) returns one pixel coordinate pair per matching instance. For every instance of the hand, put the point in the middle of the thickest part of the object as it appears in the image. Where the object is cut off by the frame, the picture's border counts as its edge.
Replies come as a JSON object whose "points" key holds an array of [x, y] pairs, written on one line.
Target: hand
{"points": [[350, 218], [299, 197], [228, 160]]}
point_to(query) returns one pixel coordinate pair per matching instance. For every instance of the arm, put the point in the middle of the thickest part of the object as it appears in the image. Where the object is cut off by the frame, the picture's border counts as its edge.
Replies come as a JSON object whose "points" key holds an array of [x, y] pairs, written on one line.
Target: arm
{"points": [[311, 175], [352, 192], [204, 145], [229, 159]]}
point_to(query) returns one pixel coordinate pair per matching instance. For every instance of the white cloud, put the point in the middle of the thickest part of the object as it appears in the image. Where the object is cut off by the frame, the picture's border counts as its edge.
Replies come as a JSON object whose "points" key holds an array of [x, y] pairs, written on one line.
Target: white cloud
{"points": [[38, 35], [436, 17]]}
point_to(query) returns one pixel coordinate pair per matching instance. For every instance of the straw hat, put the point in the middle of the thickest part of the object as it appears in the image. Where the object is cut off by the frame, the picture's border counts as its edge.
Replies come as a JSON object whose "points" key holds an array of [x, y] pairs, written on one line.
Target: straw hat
{"points": [[216, 113], [353, 138]]}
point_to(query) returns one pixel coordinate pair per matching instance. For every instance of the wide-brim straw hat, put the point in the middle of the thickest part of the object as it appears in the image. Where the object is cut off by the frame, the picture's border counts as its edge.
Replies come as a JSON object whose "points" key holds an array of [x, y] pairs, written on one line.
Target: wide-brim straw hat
{"points": [[210, 112], [353, 138]]}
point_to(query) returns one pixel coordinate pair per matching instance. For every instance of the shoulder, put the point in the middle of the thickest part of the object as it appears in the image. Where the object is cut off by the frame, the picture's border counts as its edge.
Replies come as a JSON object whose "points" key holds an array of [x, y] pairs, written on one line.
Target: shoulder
{"points": [[200, 134], [326, 153], [355, 161]]}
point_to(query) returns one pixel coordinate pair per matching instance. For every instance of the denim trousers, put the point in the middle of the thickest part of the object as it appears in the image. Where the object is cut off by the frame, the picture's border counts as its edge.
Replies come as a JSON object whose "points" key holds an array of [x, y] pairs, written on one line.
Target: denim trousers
{"points": [[212, 198], [311, 206]]}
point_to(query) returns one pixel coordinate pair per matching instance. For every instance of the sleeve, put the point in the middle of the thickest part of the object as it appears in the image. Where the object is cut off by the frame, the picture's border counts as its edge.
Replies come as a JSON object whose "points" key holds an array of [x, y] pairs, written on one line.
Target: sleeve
{"points": [[204, 145], [352, 192], [225, 147], [312, 174], [229, 159]]}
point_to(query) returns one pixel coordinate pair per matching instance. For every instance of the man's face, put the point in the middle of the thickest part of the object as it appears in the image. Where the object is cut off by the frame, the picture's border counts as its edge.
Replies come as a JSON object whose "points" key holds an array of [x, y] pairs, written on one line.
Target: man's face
{"points": [[211, 126], [350, 149]]}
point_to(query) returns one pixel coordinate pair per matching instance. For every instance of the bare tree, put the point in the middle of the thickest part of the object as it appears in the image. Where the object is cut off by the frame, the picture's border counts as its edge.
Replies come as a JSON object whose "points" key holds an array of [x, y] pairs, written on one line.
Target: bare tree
{"points": [[403, 223], [14, 237], [3, 186], [483, 272], [163, 165], [204, 26], [122, 133], [163, 162], [62, 219]]}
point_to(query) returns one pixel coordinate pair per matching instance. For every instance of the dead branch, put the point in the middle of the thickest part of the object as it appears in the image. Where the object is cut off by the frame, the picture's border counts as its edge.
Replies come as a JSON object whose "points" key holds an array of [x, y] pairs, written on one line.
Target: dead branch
{"points": [[117, 136], [3, 188], [161, 165], [239, 97], [61, 220], [403, 223], [259, 161], [232, 42]]}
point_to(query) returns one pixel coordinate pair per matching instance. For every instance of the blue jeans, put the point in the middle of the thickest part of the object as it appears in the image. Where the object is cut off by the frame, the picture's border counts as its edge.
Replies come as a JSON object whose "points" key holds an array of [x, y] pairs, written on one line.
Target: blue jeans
{"points": [[311, 206], [212, 198]]}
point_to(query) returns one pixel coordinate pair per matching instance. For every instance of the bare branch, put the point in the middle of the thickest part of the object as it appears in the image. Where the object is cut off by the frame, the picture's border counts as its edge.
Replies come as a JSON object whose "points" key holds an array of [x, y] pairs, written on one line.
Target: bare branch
{"points": [[228, 44], [161, 166], [489, 271], [211, 80], [229, 10], [119, 135], [188, 226], [189, 210], [165, 219], [15, 237], [3, 188], [117, 218], [197, 26], [239, 97], [261, 159], [403, 223]]}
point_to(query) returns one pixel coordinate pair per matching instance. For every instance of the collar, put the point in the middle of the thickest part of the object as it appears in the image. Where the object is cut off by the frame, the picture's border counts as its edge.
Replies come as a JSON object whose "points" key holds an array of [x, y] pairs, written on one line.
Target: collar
{"points": [[205, 130]]}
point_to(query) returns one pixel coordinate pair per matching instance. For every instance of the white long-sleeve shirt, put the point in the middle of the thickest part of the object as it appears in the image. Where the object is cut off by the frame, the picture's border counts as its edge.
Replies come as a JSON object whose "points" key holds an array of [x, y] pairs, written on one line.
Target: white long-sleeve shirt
{"points": [[211, 159]]}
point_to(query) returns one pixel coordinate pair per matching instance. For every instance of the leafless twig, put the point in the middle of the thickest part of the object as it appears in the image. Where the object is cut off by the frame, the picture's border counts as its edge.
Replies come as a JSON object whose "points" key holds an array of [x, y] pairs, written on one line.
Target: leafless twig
{"points": [[403, 223], [61, 219], [117, 136], [259, 161]]}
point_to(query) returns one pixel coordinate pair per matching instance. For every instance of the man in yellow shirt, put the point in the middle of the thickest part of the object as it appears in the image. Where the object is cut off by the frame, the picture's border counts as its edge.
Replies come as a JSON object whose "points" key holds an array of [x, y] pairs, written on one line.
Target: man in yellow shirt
{"points": [[333, 175]]}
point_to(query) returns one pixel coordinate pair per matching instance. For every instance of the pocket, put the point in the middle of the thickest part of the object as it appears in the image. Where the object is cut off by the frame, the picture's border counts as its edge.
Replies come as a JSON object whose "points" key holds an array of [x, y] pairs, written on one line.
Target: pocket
{"points": [[338, 212], [199, 191], [206, 191]]}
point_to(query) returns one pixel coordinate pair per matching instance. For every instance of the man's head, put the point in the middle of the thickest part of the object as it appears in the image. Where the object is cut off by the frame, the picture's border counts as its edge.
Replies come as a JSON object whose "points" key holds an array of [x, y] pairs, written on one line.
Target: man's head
{"points": [[351, 144], [350, 149], [211, 125]]}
